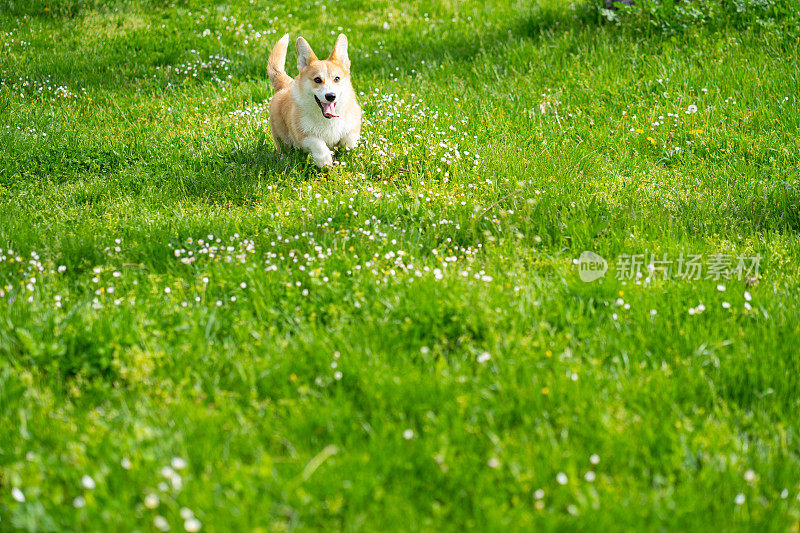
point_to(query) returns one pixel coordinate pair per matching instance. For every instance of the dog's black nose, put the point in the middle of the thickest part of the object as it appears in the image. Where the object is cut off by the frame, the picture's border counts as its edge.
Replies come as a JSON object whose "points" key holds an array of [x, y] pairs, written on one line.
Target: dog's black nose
{"points": [[330, 97]]}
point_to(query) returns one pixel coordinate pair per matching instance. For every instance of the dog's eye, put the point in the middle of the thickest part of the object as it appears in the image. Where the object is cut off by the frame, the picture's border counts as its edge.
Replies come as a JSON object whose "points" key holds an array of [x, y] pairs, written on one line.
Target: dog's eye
{"points": [[317, 80], [336, 79]]}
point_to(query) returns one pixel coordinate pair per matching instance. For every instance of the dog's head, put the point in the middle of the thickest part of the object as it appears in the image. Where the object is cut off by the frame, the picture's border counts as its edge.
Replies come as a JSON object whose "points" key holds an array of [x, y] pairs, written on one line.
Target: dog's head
{"points": [[324, 83]]}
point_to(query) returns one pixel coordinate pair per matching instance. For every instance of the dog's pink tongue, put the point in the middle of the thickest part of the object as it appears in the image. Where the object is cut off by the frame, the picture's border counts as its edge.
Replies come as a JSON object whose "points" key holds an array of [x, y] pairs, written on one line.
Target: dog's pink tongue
{"points": [[327, 109]]}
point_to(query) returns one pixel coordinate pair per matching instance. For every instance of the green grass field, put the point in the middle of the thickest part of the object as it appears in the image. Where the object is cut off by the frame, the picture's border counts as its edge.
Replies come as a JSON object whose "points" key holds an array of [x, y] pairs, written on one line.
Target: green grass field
{"points": [[196, 333]]}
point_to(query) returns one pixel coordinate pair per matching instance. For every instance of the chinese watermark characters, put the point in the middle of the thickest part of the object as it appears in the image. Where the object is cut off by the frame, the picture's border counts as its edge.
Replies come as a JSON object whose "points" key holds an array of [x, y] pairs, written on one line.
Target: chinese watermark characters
{"points": [[651, 266]]}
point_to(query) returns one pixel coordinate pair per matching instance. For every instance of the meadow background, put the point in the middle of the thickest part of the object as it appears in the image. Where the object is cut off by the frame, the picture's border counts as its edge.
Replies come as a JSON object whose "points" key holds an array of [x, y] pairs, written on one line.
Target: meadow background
{"points": [[197, 334]]}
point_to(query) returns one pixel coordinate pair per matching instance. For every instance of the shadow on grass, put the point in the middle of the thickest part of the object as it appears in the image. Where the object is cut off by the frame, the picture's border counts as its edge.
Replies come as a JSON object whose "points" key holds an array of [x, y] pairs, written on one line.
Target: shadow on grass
{"points": [[245, 174], [63, 9]]}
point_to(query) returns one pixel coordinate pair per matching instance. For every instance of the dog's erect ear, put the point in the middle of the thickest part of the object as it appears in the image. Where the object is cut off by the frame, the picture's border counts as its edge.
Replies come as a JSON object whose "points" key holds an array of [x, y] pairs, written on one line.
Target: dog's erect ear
{"points": [[340, 51], [305, 54]]}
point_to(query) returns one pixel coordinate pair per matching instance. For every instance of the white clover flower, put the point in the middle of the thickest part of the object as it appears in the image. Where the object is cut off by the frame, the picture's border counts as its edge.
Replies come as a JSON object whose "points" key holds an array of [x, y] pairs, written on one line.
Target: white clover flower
{"points": [[192, 524], [408, 434], [87, 482], [160, 523], [562, 479], [151, 501], [17, 495]]}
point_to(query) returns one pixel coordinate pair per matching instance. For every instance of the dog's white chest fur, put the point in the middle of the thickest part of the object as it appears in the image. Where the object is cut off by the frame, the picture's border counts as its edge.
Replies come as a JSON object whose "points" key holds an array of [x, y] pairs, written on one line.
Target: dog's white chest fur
{"points": [[330, 130]]}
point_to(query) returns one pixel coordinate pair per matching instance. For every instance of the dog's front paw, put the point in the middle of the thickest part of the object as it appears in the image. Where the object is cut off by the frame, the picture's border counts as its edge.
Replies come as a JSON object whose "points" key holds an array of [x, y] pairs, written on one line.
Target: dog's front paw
{"points": [[324, 159], [350, 142]]}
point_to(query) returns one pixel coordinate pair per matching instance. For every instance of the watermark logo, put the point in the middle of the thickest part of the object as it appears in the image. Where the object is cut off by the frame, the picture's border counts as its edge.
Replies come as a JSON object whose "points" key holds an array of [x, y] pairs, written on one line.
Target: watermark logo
{"points": [[591, 266], [649, 266]]}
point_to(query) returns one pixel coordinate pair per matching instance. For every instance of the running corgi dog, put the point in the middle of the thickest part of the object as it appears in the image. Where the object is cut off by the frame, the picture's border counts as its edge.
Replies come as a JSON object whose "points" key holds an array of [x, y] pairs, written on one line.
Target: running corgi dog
{"points": [[317, 110]]}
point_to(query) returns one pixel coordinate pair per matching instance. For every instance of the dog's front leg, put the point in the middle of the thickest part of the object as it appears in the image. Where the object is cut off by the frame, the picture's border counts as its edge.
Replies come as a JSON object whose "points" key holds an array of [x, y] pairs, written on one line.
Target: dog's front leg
{"points": [[322, 155], [350, 140]]}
